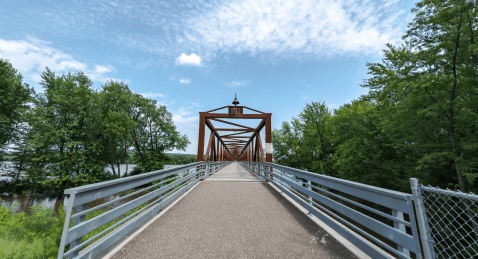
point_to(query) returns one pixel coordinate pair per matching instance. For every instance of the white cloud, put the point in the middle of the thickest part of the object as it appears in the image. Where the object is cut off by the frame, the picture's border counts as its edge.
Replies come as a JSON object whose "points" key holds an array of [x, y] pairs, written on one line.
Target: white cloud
{"points": [[317, 27], [233, 84], [304, 95], [102, 69], [279, 29], [183, 119], [184, 81], [192, 59], [152, 95], [31, 56], [182, 112]]}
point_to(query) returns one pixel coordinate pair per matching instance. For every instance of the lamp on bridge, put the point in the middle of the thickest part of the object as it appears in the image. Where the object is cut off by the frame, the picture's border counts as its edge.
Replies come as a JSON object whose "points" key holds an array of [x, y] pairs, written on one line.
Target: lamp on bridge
{"points": [[235, 102]]}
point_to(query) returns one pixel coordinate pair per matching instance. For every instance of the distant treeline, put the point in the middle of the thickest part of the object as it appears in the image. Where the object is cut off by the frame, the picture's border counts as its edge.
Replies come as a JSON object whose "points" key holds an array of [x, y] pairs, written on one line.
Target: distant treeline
{"points": [[419, 118], [67, 135], [182, 159]]}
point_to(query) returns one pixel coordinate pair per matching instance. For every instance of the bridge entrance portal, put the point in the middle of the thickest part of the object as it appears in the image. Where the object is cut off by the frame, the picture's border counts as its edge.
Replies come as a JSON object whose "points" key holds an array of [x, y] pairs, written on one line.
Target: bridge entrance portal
{"points": [[242, 143]]}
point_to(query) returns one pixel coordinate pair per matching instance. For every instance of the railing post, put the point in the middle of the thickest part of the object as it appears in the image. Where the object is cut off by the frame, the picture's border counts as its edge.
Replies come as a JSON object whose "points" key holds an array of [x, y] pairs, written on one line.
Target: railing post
{"points": [[309, 187], [425, 236], [270, 175], [401, 228], [68, 202], [79, 220], [160, 197], [206, 171], [265, 174]]}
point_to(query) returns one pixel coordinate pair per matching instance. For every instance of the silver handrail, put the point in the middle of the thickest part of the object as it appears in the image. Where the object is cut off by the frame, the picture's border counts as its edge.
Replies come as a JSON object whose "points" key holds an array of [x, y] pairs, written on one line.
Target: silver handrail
{"points": [[310, 190], [153, 198]]}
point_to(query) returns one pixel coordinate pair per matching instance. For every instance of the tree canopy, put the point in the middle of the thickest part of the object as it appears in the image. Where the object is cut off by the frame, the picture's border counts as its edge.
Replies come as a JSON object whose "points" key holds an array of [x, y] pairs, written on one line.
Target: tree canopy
{"points": [[419, 118], [73, 131], [14, 98]]}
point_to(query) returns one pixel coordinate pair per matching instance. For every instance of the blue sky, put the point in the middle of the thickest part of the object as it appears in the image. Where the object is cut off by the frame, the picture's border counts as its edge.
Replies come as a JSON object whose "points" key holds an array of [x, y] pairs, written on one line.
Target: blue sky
{"points": [[193, 55]]}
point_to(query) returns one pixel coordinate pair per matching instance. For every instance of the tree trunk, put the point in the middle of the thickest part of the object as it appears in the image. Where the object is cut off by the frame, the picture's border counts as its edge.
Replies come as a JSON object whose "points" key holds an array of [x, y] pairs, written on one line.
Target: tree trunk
{"points": [[113, 169], [451, 127], [126, 157], [119, 169], [451, 131]]}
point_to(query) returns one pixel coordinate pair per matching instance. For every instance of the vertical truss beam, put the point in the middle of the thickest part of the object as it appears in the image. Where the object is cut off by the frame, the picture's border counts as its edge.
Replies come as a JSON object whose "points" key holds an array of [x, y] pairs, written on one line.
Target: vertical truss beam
{"points": [[208, 147]]}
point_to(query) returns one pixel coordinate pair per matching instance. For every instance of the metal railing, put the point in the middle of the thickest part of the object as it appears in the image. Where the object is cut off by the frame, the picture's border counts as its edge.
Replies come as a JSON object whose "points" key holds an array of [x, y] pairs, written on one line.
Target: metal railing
{"points": [[142, 196], [315, 192], [449, 227]]}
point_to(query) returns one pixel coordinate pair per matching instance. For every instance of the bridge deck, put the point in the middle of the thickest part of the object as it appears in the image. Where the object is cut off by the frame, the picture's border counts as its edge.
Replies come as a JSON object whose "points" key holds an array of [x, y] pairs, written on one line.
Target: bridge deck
{"points": [[228, 216]]}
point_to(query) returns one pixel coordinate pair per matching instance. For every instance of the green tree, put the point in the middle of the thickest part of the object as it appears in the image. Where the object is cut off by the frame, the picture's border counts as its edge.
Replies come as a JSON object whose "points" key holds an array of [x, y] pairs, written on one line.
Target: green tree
{"points": [[116, 104], [154, 134], [426, 91], [286, 141], [305, 141], [14, 98], [315, 124], [64, 133], [364, 153]]}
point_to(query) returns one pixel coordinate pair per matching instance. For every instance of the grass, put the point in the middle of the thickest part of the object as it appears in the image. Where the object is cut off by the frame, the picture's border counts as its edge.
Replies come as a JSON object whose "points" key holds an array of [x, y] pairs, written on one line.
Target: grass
{"points": [[39, 235], [35, 236]]}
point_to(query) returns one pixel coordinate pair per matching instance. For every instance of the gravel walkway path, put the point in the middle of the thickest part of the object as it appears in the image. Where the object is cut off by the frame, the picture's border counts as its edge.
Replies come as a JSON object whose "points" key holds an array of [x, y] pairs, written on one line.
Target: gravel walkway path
{"points": [[233, 219]]}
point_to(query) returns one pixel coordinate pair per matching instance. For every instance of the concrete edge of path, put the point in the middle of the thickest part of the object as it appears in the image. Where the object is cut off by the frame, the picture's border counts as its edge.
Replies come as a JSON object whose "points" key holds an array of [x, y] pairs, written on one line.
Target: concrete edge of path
{"points": [[351, 247], [139, 230]]}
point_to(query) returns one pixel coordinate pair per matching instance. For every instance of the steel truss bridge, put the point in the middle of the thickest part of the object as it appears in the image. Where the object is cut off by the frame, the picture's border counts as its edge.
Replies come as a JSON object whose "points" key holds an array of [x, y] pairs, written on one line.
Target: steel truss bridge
{"points": [[236, 203]]}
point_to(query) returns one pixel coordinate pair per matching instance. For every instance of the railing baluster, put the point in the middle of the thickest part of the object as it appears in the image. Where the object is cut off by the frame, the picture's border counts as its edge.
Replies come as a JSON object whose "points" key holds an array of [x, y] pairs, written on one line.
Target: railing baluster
{"points": [[309, 186], [79, 220], [400, 227]]}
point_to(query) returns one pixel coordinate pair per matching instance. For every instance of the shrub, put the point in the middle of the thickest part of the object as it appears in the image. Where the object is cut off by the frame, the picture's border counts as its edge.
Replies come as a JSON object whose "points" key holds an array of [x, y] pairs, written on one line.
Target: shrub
{"points": [[35, 236]]}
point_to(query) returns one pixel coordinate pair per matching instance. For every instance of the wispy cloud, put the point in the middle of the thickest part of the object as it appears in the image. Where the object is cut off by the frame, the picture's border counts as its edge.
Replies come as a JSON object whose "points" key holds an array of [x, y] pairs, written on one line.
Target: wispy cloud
{"points": [[184, 81], [152, 95], [184, 115], [291, 28], [278, 28], [31, 56], [103, 69], [304, 95], [233, 84], [193, 60], [183, 119]]}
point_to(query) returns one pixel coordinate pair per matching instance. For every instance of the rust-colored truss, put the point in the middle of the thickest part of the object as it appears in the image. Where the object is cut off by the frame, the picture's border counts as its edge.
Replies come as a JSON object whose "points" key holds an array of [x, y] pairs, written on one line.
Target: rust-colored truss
{"points": [[232, 145]]}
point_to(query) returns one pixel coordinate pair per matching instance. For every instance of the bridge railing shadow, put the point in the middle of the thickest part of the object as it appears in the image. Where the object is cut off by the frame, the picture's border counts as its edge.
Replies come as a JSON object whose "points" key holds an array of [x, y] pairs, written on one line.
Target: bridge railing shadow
{"points": [[378, 221], [139, 197]]}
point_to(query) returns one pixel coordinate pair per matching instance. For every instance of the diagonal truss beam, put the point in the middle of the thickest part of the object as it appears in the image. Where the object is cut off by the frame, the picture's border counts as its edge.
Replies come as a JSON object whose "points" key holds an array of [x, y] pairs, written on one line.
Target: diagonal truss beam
{"points": [[257, 130], [233, 124], [219, 109], [211, 127], [234, 134], [252, 109], [248, 130]]}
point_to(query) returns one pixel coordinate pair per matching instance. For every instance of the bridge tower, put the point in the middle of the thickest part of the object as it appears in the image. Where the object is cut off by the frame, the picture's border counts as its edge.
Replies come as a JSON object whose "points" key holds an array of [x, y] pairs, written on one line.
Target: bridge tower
{"points": [[242, 143]]}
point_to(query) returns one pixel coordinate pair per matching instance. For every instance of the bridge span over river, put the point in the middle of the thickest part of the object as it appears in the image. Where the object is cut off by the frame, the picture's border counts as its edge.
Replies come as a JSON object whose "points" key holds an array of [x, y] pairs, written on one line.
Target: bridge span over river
{"points": [[236, 203]]}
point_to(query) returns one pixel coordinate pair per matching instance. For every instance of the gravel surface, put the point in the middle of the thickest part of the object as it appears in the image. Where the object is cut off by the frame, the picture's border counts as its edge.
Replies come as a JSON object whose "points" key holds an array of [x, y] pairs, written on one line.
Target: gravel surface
{"points": [[233, 220]]}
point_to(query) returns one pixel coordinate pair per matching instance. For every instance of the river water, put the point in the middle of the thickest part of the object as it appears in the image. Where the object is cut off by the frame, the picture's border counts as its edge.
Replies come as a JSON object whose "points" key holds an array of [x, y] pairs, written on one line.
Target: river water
{"points": [[23, 203]]}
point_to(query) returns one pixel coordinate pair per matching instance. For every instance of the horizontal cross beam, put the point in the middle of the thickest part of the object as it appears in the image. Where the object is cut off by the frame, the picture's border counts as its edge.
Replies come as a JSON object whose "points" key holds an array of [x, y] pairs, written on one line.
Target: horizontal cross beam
{"points": [[237, 116]]}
